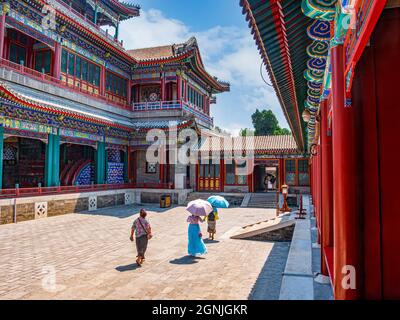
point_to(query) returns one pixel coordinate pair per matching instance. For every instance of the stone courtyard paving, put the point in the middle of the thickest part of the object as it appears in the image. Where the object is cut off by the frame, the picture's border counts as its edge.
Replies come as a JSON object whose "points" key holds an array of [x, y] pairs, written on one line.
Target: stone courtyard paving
{"points": [[92, 258]]}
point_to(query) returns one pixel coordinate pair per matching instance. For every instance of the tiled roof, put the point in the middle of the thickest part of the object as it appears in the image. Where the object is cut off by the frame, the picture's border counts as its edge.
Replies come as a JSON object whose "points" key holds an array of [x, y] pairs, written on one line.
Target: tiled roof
{"points": [[46, 102], [159, 124], [164, 52], [152, 53], [260, 144], [181, 52]]}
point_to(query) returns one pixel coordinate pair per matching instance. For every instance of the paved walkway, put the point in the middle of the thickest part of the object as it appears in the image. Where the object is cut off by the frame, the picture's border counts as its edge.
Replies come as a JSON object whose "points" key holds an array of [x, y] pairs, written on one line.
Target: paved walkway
{"points": [[89, 256]]}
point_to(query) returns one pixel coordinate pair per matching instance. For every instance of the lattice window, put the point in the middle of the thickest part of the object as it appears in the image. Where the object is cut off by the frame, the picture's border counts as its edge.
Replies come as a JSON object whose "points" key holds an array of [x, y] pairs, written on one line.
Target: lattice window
{"points": [[92, 203], [151, 167], [40, 210]]}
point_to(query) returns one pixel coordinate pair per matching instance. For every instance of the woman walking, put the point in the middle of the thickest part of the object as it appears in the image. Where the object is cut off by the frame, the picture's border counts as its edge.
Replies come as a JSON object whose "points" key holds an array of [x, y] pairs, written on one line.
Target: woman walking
{"points": [[142, 230], [196, 245]]}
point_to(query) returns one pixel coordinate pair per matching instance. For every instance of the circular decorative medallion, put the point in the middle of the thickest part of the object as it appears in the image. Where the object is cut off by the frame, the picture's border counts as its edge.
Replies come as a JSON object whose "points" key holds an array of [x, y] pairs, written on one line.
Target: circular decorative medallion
{"points": [[153, 97], [314, 85], [311, 105], [313, 100], [314, 76], [320, 30], [317, 64], [318, 49], [314, 93]]}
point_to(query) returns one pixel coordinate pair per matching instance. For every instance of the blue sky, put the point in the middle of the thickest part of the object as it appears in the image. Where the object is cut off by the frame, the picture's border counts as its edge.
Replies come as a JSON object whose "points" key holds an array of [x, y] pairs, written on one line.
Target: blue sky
{"points": [[226, 45]]}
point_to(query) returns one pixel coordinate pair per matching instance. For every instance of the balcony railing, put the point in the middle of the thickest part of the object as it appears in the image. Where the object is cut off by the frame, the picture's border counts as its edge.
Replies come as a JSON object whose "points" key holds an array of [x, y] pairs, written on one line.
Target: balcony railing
{"points": [[157, 105], [172, 105], [25, 71], [86, 22]]}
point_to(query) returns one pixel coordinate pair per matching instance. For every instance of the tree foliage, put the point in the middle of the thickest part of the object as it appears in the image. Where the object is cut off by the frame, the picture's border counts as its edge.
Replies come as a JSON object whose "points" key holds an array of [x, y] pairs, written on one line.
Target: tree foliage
{"points": [[265, 124], [246, 132]]}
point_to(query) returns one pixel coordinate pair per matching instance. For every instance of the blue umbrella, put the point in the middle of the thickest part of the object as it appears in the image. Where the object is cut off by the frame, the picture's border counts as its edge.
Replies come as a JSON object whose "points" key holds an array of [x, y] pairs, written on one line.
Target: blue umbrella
{"points": [[218, 202]]}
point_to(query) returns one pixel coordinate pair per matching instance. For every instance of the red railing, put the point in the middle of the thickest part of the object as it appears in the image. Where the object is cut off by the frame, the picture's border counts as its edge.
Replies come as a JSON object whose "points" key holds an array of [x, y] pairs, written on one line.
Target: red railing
{"points": [[43, 191], [57, 82], [151, 185]]}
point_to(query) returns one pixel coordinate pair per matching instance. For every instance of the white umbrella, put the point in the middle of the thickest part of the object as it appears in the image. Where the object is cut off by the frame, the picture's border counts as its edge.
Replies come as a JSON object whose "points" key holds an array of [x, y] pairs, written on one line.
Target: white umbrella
{"points": [[199, 207]]}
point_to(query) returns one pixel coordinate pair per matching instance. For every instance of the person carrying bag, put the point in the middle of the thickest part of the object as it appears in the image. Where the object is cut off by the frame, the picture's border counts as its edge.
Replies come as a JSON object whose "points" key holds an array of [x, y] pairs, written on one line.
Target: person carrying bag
{"points": [[142, 230]]}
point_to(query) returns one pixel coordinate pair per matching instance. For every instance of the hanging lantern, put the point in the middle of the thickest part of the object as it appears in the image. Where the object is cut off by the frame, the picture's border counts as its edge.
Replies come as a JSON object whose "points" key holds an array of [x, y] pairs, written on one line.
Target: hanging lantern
{"points": [[306, 115]]}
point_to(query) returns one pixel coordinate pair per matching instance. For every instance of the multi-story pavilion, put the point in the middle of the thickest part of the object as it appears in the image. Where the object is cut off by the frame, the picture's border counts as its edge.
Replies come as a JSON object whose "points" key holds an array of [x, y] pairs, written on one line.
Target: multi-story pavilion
{"points": [[75, 105], [332, 62]]}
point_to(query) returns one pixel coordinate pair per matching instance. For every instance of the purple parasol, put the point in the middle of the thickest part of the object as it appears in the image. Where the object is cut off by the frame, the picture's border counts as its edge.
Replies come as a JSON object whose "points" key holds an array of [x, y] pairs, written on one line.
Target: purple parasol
{"points": [[199, 207]]}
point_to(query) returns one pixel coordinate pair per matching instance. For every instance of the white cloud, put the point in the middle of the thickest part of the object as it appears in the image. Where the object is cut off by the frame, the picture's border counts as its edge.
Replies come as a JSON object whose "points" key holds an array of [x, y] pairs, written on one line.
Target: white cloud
{"points": [[233, 128], [263, 97], [228, 53], [152, 29]]}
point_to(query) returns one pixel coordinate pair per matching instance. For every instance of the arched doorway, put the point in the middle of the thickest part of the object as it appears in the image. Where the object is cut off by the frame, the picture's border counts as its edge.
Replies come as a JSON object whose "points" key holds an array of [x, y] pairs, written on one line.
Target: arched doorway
{"points": [[76, 164]]}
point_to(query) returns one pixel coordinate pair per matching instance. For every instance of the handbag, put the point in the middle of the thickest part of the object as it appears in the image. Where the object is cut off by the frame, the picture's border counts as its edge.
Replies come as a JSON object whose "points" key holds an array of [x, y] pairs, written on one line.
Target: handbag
{"points": [[149, 235]]}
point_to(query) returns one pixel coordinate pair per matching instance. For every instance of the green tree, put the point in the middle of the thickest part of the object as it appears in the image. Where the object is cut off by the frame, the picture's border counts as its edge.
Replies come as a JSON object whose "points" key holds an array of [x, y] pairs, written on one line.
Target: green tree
{"points": [[282, 132], [246, 132], [265, 124]]}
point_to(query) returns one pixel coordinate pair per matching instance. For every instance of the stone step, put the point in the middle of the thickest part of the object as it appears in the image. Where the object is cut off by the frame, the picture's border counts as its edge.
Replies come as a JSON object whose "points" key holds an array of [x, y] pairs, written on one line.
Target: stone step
{"points": [[262, 200]]}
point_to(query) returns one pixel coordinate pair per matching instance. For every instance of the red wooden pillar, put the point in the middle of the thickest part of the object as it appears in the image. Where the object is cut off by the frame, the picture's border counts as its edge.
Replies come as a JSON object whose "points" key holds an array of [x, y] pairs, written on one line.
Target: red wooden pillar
{"points": [[129, 93], [317, 186], [103, 81], [250, 176], [2, 33], [185, 93], [327, 186], [314, 184], [222, 174], [197, 176], [168, 165], [281, 172], [346, 221], [319, 195], [178, 88], [161, 164], [163, 87], [57, 61], [311, 173]]}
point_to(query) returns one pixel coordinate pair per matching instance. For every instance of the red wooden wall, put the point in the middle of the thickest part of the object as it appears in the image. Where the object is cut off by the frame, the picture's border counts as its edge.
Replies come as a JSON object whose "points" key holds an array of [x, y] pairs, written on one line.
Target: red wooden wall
{"points": [[376, 99]]}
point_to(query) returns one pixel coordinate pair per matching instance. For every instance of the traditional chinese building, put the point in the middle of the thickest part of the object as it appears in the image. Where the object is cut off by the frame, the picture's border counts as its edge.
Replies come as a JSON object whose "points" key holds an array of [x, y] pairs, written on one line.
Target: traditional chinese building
{"points": [[171, 91], [76, 106], [332, 63], [263, 156]]}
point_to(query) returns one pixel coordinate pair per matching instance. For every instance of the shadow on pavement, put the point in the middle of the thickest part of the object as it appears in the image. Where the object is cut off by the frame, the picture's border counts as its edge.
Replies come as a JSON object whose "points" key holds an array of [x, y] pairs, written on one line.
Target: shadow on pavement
{"points": [[208, 241], [129, 267], [268, 283], [186, 260], [128, 211]]}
